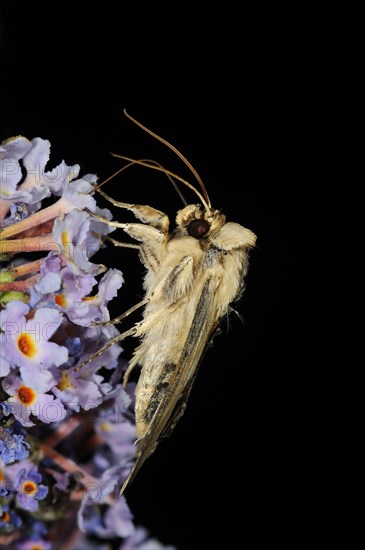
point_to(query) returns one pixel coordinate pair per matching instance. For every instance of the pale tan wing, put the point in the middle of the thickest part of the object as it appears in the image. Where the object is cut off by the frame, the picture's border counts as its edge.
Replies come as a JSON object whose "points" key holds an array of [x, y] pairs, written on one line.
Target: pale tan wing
{"points": [[171, 407]]}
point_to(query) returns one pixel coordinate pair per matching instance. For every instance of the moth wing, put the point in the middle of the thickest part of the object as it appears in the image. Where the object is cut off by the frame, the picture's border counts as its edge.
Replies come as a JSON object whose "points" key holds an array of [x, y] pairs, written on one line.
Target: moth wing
{"points": [[172, 404]]}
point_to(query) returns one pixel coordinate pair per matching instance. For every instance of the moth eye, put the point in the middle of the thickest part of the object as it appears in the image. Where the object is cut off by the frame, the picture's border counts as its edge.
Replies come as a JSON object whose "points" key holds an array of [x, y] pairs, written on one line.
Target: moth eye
{"points": [[198, 228]]}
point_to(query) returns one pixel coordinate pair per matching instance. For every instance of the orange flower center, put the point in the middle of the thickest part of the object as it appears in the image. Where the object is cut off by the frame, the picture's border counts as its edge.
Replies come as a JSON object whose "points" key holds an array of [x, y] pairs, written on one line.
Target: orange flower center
{"points": [[29, 487], [26, 395], [5, 517], [27, 345], [60, 300]]}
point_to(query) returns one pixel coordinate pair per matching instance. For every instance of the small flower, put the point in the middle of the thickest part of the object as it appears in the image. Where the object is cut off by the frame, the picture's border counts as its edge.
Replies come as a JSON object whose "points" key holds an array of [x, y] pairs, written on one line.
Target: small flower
{"points": [[9, 519], [72, 234], [29, 489], [94, 308], [50, 280], [35, 538], [14, 147], [34, 155], [12, 446], [61, 289], [25, 340], [62, 480], [75, 391], [114, 521], [76, 194], [115, 431], [10, 171], [94, 519], [32, 399], [140, 540], [34, 544]]}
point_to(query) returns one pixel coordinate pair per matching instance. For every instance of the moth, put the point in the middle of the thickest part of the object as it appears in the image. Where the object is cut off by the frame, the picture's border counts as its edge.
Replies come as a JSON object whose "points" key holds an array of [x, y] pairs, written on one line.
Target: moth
{"points": [[193, 274]]}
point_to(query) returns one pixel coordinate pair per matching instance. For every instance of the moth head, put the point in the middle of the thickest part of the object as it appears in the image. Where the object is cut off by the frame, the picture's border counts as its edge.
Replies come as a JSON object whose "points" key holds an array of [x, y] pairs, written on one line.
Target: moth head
{"points": [[199, 222]]}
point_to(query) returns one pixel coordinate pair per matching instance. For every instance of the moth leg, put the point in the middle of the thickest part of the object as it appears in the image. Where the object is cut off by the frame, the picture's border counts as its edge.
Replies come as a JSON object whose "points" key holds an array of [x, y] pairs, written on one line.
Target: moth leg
{"points": [[125, 245], [120, 317], [152, 249], [138, 231], [119, 338], [146, 214], [148, 256], [127, 373]]}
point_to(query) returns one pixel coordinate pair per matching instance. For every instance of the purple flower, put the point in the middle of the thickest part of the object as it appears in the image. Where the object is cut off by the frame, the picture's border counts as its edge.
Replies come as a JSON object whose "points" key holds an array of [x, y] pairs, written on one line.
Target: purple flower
{"points": [[25, 340], [75, 391], [31, 398], [59, 178], [72, 234], [60, 287], [29, 489], [36, 538], [14, 147], [34, 162], [50, 280], [76, 194], [9, 519], [94, 308], [75, 287], [34, 544], [62, 480], [140, 540], [116, 521], [114, 429], [93, 518], [10, 171], [34, 156], [12, 446]]}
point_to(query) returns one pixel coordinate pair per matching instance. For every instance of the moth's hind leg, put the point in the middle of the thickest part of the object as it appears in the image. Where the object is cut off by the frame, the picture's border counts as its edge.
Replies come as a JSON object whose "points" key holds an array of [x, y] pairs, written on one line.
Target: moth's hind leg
{"points": [[131, 332], [118, 319], [146, 214]]}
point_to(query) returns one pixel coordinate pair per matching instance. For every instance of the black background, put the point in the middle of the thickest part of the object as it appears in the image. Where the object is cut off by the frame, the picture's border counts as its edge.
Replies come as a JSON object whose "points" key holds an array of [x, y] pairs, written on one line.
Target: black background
{"points": [[217, 87]]}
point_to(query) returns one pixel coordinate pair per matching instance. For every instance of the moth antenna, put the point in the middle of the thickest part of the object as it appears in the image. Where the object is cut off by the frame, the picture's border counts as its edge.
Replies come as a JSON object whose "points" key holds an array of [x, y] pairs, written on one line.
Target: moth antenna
{"points": [[167, 172], [178, 191], [96, 187], [175, 185], [177, 152]]}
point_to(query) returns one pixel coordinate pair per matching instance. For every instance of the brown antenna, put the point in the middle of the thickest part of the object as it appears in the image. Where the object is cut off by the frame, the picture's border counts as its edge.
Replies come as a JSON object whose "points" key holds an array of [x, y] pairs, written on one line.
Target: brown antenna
{"points": [[176, 151]]}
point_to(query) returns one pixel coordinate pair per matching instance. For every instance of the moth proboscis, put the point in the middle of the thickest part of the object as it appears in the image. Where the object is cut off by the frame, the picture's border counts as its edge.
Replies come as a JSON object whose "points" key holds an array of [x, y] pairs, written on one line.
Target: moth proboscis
{"points": [[193, 275]]}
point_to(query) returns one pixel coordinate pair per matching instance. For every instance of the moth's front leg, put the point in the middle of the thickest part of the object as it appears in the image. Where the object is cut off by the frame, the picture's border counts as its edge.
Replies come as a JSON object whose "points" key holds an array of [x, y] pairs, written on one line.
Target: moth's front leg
{"points": [[153, 243], [153, 240], [145, 213]]}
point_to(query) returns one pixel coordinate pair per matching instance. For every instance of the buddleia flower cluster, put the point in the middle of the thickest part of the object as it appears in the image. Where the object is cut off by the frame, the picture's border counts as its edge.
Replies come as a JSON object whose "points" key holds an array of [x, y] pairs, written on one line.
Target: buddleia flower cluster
{"points": [[66, 435]]}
